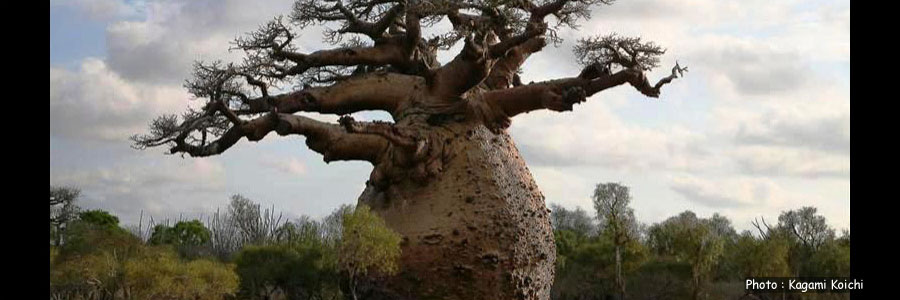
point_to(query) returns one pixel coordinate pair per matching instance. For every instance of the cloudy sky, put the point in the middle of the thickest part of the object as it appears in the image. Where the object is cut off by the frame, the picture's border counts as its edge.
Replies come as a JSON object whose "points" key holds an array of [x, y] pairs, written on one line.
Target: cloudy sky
{"points": [[759, 125]]}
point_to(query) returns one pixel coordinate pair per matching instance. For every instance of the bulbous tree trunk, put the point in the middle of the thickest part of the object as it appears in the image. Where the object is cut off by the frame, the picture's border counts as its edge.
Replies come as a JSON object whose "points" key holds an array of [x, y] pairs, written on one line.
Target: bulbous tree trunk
{"points": [[478, 230]]}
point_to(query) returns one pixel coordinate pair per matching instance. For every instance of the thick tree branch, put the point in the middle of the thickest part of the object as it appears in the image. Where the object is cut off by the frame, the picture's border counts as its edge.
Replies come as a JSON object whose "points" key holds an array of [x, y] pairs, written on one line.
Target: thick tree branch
{"points": [[413, 30], [371, 91], [388, 52], [465, 71], [418, 153], [254, 130], [332, 141], [561, 94], [534, 30], [503, 72], [464, 21], [388, 131], [514, 51], [374, 30], [540, 12]]}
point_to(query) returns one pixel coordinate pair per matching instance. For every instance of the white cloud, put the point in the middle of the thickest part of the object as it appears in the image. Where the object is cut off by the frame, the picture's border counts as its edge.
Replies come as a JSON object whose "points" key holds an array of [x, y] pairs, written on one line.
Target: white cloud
{"points": [[290, 166], [593, 135], [94, 103], [821, 125], [785, 161], [753, 68], [174, 34], [726, 193], [159, 188], [806, 135], [745, 198], [99, 9]]}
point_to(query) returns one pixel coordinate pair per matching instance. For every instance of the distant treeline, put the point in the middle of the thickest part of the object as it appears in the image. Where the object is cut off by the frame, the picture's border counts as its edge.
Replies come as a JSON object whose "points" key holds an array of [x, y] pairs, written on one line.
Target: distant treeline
{"points": [[685, 256], [245, 252], [241, 253]]}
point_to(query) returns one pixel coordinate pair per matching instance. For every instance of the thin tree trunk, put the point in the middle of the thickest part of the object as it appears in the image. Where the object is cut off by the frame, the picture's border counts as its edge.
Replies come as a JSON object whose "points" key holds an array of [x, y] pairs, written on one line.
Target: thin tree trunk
{"points": [[353, 287], [696, 279], [59, 234], [620, 280]]}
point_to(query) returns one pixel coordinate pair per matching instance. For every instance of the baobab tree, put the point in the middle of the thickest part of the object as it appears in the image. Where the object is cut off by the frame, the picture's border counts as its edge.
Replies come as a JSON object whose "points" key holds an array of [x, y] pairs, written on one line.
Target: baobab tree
{"points": [[447, 176]]}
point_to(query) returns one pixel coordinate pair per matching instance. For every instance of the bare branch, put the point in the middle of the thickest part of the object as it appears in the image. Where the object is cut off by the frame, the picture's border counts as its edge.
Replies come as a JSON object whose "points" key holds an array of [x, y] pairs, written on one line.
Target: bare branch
{"points": [[562, 94], [254, 130], [762, 233], [331, 140]]}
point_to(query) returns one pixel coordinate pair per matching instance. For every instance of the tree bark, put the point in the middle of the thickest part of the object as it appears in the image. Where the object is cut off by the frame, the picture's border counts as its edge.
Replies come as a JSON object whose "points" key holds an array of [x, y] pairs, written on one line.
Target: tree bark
{"points": [[479, 230], [696, 291]]}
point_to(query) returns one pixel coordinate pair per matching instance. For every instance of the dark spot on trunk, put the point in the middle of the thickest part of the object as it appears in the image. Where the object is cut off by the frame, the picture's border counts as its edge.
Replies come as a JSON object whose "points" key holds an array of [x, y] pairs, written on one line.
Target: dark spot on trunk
{"points": [[490, 259], [432, 239]]}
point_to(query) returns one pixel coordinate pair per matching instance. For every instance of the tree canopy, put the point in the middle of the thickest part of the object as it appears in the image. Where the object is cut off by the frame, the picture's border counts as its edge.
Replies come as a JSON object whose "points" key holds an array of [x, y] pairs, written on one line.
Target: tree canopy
{"points": [[99, 218], [383, 60], [192, 233], [690, 239]]}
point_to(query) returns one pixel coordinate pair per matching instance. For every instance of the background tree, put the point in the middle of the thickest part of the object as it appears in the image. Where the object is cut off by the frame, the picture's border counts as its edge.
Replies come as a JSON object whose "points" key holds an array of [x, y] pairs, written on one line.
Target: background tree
{"points": [[100, 260], [585, 266], [577, 220], [189, 233], [160, 274], [99, 218], [807, 232], [62, 211], [293, 271], [190, 238], [690, 239], [367, 246], [447, 147], [301, 262], [90, 264], [243, 222], [760, 257], [256, 226], [586, 257], [725, 269], [611, 201], [808, 228], [832, 258]]}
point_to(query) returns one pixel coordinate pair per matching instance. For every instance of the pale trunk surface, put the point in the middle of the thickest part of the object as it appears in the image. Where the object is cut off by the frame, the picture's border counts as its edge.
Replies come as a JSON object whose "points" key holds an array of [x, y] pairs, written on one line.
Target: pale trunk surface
{"points": [[479, 230], [620, 280]]}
